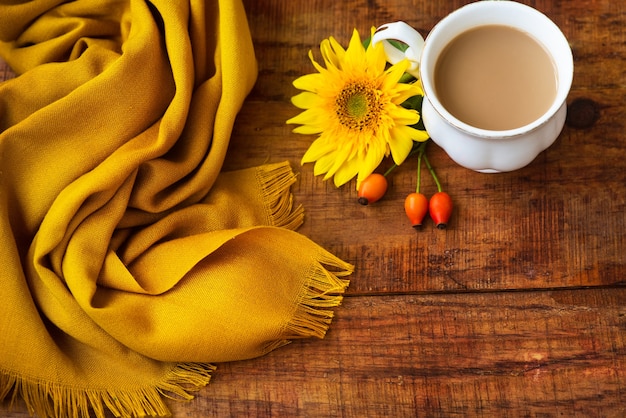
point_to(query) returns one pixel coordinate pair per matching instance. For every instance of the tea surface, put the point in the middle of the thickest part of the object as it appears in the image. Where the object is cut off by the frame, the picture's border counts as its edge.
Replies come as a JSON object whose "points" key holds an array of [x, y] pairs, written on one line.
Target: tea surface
{"points": [[495, 77]]}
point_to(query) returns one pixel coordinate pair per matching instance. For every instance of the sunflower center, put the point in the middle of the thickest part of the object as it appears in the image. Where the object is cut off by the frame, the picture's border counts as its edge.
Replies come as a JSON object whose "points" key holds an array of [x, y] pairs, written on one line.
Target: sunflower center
{"points": [[358, 106]]}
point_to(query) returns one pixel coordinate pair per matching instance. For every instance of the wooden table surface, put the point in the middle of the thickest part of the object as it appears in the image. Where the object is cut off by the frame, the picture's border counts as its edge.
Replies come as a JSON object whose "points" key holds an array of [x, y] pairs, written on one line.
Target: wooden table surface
{"points": [[517, 309]]}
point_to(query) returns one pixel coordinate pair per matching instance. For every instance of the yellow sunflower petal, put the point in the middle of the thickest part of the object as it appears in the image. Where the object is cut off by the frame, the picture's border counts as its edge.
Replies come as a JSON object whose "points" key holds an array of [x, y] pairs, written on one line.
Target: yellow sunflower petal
{"points": [[317, 150], [400, 143], [340, 156], [314, 116], [404, 116], [306, 100], [335, 51], [317, 66], [346, 172], [404, 91], [310, 82], [308, 130], [329, 56], [372, 160], [394, 73], [376, 59], [324, 164], [383, 144], [415, 134], [355, 58]]}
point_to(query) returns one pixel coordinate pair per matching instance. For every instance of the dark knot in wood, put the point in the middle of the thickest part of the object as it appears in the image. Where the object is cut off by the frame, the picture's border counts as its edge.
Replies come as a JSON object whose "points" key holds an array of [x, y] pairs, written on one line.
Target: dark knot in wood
{"points": [[582, 113]]}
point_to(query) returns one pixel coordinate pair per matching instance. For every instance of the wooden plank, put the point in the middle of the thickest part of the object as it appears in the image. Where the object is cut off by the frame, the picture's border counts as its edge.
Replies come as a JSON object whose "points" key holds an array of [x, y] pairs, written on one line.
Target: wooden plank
{"points": [[548, 353], [560, 353]]}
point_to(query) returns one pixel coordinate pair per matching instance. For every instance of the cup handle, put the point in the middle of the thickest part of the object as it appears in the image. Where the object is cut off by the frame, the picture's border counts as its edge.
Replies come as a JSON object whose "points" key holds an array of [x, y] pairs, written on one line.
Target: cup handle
{"points": [[401, 31]]}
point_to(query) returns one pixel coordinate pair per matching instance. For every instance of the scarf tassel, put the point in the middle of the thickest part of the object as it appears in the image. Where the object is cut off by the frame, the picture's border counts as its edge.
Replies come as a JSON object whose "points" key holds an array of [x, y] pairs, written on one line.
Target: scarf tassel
{"points": [[47, 399], [325, 287], [324, 290], [275, 181]]}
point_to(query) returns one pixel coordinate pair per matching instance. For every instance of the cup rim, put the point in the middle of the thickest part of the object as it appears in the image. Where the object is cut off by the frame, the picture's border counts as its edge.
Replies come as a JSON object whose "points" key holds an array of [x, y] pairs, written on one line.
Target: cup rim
{"points": [[565, 65]]}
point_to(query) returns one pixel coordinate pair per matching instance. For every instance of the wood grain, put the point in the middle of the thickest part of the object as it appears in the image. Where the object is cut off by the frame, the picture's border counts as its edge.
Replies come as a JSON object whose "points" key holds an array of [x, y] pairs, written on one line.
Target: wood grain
{"points": [[517, 309], [442, 355]]}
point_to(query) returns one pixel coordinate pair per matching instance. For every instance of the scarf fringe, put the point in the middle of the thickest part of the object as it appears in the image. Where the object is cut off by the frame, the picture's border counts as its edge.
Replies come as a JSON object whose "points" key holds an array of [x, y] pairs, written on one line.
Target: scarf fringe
{"points": [[46, 399], [325, 287], [323, 291], [275, 181]]}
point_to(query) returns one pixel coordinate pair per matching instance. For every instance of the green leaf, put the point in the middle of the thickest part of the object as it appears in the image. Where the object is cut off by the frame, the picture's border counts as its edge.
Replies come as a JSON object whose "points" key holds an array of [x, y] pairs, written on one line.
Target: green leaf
{"points": [[414, 102], [407, 78], [399, 45]]}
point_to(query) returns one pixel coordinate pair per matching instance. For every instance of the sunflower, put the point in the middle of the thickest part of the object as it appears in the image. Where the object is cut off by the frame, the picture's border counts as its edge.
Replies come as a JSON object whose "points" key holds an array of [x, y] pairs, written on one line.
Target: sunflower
{"points": [[355, 105]]}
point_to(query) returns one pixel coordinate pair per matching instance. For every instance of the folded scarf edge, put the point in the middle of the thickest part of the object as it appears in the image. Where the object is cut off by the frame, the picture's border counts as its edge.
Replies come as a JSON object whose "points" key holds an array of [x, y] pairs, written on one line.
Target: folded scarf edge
{"points": [[48, 399]]}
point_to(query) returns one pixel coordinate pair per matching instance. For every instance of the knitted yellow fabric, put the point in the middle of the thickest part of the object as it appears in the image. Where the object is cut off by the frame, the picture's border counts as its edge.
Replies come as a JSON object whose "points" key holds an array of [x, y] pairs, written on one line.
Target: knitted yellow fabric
{"points": [[129, 262]]}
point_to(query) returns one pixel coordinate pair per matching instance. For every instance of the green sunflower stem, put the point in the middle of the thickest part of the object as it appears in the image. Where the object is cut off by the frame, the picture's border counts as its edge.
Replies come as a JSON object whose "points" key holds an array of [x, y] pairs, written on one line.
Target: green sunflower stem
{"points": [[390, 169], [417, 148], [432, 173], [422, 149]]}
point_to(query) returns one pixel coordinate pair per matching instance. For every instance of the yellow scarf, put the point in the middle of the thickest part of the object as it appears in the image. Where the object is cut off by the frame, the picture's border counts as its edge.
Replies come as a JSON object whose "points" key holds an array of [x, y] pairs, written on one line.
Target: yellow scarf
{"points": [[129, 263]]}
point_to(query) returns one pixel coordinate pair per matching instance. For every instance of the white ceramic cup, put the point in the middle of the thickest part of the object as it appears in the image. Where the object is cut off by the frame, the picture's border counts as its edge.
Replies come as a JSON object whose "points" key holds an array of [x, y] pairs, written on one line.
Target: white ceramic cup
{"points": [[482, 150]]}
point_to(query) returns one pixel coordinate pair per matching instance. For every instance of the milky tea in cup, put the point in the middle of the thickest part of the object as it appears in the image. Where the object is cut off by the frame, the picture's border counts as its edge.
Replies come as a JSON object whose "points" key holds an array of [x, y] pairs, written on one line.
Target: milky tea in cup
{"points": [[495, 74], [495, 77]]}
